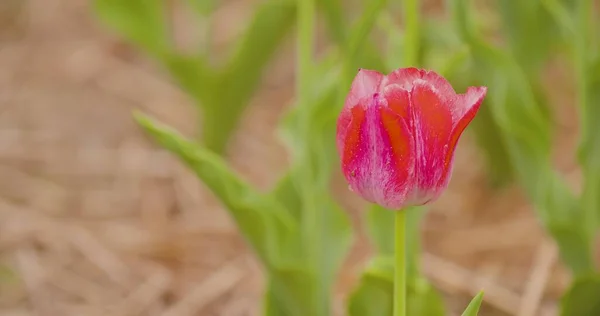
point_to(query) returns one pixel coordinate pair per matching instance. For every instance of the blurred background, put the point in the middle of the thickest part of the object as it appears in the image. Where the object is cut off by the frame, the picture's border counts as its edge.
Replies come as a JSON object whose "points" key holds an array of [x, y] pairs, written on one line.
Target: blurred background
{"points": [[97, 220]]}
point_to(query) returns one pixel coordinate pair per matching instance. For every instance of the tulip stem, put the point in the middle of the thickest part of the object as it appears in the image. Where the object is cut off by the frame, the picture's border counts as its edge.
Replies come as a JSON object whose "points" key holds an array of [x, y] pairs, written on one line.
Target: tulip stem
{"points": [[400, 265]]}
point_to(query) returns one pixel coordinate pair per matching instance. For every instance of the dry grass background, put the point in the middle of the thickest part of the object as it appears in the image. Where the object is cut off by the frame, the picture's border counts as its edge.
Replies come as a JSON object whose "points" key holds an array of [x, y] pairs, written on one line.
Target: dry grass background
{"points": [[95, 220]]}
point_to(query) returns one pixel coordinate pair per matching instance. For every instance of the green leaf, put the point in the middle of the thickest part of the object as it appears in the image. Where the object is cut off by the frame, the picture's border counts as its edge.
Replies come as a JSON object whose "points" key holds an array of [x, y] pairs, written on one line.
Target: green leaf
{"points": [[292, 292], [488, 136], [582, 297], [473, 307], [589, 148], [270, 24], [242, 75], [526, 131], [334, 15], [271, 232], [286, 192], [374, 294], [530, 30], [195, 77], [574, 246], [141, 21], [203, 7]]}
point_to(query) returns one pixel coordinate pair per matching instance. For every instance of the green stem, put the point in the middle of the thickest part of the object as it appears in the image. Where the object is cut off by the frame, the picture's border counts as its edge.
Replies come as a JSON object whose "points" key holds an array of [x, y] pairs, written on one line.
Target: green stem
{"points": [[318, 300], [582, 64], [410, 13], [306, 30], [400, 265]]}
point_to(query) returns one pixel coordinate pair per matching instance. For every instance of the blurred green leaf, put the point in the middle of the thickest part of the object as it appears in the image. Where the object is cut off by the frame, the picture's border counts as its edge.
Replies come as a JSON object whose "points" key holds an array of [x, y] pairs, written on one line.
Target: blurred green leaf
{"points": [[374, 294], [561, 15], [356, 41], [334, 15], [203, 7], [291, 292], [242, 75], [269, 230], [270, 24], [589, 148], [487, 134], [530, 31], [473, 308], [141, 21], [582, 298], [526, 130], [574, 244], [194, 76], [484, 128], [286, 192]]}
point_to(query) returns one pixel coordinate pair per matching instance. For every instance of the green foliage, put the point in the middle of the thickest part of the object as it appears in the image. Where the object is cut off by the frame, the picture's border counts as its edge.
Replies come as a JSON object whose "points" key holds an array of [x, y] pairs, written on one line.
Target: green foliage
{"points": [[519, 108], [582, 297], [140, 21], [377, 281], [222, 93], [301, 263], [374, 293], [473, 307], [297, 230]]}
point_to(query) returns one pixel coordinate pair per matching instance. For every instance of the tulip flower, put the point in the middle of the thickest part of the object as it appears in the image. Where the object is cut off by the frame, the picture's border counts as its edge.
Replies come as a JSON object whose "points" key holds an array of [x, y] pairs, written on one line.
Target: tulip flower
{"points": [[396, 135]]}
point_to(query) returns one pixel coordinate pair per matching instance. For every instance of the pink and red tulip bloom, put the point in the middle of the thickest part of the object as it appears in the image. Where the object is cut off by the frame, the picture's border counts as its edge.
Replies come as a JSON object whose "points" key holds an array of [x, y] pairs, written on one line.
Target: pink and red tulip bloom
{"points": [[396, 135]]}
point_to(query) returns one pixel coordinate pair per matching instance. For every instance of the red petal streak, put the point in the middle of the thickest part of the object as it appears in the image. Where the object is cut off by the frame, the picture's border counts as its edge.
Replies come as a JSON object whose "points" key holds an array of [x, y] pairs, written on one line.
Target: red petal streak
{"points": [[402, 154], [343, 123], [398, 101], [433, 127], [353, 140]]}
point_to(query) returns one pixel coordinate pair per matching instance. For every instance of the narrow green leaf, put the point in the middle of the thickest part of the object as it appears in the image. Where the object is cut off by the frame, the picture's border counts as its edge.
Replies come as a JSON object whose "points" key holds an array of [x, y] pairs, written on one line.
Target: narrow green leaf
{"points": [[473, 307], [270, 231], [291, 292], [589, 149], [194, 76], [356, 41], [271, 23], [141, 21], [203, 7], [334, 15], [242, 74], [574, 246], [286, 192], [530, 30], [488, 136], [526, 131], [582, 297]]}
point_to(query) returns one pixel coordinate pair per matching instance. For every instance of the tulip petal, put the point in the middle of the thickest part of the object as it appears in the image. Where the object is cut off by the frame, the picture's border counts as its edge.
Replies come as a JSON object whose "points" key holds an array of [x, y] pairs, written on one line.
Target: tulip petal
{"points": [[403, 77], [468, 104], [442, 87], [433, 125], [377, 160], [365, 84]]}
